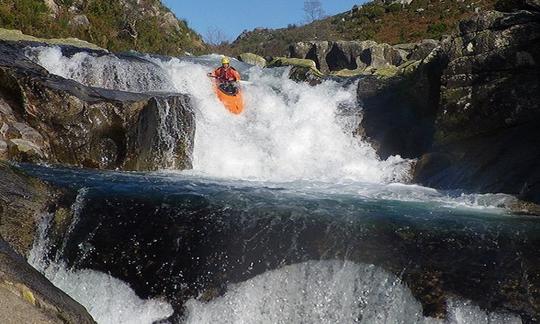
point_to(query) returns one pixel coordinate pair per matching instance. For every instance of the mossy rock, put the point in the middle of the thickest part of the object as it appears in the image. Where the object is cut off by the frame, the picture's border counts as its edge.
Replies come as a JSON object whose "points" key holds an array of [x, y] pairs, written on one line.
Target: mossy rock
{"points": [[17, 35], [408, 67], [386, 72], [286, 61], [346, 73], [252, 59]]}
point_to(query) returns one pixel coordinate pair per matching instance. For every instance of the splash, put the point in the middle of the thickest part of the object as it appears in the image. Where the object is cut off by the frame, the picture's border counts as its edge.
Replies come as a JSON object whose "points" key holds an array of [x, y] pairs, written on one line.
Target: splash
{"points": [[107, 299], [328, 292]]}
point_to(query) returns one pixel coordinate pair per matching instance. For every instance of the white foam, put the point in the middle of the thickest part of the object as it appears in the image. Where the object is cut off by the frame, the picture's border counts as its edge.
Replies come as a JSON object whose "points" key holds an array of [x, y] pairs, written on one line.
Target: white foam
{"points": [[327, 292], [289, 131]]}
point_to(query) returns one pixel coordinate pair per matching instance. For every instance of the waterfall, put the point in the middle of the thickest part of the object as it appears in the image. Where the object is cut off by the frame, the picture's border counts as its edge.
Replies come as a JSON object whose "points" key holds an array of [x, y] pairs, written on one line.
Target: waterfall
{"points": [[274, 198], [289, 131]]}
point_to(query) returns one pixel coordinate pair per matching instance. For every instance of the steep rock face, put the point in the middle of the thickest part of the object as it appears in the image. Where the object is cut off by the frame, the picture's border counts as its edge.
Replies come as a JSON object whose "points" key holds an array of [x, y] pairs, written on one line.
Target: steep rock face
{"points": [[26, 295], [487, 135], [47, 118], [399, 111]]}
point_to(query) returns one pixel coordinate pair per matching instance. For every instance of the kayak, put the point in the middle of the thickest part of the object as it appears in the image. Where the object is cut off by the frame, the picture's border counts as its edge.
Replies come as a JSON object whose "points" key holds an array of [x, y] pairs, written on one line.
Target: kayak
{"points": [[234, 102]]}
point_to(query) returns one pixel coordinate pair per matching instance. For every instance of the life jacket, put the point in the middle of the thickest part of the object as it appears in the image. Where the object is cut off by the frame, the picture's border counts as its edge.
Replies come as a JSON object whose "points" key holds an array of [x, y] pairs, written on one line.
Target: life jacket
{"points": [[224, 75]]}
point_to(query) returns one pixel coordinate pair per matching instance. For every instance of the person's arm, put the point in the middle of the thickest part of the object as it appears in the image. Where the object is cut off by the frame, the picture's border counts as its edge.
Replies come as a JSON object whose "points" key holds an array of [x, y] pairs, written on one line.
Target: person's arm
{"points": [[236, 75]]}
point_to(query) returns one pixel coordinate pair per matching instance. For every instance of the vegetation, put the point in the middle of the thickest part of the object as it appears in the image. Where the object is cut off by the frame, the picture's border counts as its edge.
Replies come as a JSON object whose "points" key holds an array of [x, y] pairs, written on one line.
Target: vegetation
{"points": [[145, 26], [392, 23]]}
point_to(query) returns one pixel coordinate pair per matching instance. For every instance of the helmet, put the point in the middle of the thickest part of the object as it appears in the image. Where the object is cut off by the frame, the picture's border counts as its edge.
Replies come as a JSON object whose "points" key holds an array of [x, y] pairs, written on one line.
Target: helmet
{"points": [[225, 60]]}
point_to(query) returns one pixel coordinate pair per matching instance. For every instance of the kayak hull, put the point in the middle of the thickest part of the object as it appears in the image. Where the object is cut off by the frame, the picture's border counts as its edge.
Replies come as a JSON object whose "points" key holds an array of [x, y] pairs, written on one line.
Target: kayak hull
{"points": [[233, 103]]}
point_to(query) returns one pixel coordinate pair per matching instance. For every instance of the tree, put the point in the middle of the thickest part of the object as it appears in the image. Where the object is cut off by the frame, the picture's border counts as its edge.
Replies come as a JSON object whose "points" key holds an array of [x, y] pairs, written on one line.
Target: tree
{"points": [[215, 37], [313, 10]]}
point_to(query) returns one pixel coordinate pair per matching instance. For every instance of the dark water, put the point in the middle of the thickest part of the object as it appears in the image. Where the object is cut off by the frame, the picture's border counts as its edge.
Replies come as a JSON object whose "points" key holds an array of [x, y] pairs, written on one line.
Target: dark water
{"points": [[182, 237]]}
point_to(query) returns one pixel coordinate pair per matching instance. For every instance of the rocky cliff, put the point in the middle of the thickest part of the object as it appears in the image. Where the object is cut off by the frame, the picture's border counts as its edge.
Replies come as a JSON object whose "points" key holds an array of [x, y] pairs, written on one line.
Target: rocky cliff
{"points": [[45, 118], [470, 109], [487, 125]]}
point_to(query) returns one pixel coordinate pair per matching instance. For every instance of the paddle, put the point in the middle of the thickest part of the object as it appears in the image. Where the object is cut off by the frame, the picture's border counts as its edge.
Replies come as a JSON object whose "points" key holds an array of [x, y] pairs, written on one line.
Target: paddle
{"points": [[239, 81]]}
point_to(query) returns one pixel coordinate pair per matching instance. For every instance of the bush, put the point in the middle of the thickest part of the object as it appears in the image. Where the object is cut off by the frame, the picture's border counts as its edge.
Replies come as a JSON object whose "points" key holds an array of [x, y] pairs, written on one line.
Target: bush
{"points": [[437, 30], [394, 7], [372, 11]]}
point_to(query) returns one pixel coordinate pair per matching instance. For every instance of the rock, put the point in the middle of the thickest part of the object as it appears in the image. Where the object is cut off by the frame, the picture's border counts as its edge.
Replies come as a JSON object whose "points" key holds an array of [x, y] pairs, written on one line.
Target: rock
{"points": [[423, 49], [284, 61], [488, 123], [61, 121], [305, 74], [380, 55], [21, 199], [25, 150], [252, 59], [53, 7], [79, 20], [26, 296], [17, 35], [512, 5], [347, 55], [399, 109]]}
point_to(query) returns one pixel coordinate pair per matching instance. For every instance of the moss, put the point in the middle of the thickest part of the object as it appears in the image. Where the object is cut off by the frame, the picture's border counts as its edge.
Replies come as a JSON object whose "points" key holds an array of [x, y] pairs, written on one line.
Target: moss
{"points": [[345, 73], [386, 72], [285, 61], [17, 35]]}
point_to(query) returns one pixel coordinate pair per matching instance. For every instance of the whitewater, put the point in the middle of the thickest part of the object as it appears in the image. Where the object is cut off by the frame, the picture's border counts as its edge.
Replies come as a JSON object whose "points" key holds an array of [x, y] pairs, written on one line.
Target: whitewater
{"points": [[292, 136]]}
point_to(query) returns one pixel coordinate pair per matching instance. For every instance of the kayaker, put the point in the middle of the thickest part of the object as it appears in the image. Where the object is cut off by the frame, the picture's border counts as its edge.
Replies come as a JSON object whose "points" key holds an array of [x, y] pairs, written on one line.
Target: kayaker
{"points": [[226, 75]]}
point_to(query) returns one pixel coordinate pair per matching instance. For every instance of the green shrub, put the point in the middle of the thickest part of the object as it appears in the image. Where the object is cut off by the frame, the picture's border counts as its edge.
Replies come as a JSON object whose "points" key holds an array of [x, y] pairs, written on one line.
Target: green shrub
{"points": [[394, 7], [372, 11], [437, 30]]}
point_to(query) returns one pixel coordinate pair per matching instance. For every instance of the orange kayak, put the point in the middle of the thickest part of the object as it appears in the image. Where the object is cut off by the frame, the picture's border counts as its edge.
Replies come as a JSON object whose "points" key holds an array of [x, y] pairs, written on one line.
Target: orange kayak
{"points": [[233, 102]]}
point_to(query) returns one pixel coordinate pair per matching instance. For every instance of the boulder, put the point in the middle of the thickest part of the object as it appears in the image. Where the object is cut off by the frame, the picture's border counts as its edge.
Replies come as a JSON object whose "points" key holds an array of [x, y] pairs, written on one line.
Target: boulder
{"points": [[55, 120], [284, 61], [252, 59]]}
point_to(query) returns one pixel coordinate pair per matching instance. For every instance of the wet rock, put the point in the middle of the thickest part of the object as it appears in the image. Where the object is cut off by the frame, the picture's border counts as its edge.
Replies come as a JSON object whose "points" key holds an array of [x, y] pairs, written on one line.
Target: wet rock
{"points": [[487, 126], [21, 199], [26, 296], [252, 59], [306, 74], [399, 108], [48, 118]]}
